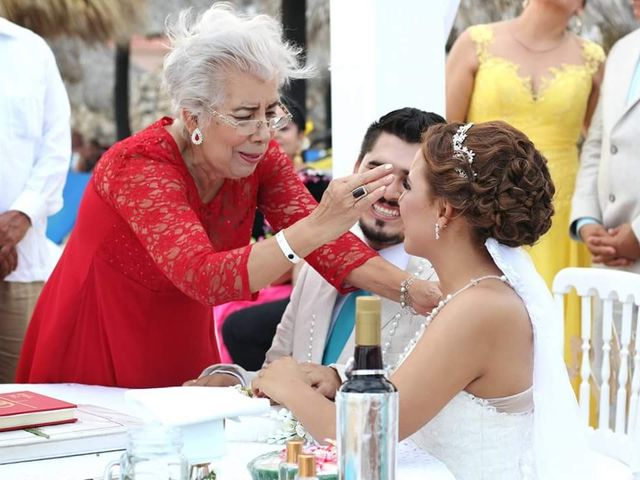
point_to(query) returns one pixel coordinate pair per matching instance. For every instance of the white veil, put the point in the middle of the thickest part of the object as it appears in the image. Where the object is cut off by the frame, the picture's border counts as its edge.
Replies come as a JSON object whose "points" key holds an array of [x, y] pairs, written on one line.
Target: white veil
{"points": [[559, 437]]}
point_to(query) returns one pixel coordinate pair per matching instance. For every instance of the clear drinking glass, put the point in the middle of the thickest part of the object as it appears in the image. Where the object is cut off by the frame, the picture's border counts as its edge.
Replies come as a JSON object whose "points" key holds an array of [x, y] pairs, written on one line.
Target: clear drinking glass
{"points": [[154, 452]]}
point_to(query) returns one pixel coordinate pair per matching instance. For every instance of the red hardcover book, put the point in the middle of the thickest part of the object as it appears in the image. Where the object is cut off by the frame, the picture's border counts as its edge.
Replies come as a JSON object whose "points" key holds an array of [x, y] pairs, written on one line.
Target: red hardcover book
{"points": [[24, 409]]}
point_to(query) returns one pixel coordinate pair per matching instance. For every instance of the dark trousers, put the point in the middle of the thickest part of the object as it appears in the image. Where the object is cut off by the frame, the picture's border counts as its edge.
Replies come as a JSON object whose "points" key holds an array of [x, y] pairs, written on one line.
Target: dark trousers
{"points": [[248, 333]]}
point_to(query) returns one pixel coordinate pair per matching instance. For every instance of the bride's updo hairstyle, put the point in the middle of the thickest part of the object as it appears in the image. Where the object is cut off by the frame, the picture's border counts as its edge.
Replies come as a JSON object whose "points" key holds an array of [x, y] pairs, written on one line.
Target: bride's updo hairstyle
{"points": [[506, 193]]}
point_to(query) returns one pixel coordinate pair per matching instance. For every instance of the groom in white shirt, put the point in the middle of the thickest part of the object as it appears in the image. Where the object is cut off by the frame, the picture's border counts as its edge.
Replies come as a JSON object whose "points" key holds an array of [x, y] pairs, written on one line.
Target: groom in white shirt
{"points": [[317, 328], [35, 151]]}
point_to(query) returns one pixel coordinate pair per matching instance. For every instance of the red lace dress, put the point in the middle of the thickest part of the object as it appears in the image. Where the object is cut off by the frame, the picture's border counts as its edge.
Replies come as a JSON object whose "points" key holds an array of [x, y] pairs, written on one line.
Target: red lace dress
{"points": [[129, 303]]}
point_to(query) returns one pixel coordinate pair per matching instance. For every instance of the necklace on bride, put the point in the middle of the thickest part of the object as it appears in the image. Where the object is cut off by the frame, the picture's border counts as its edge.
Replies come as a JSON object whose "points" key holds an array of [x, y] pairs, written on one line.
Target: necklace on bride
{"points": [[419, 274], [429, 318]]}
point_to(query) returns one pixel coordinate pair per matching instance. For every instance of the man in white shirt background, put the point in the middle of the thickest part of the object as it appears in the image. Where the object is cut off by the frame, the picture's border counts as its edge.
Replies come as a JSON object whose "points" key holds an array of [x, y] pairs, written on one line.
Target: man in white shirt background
{"points": [[35, 151], [317, 326]]}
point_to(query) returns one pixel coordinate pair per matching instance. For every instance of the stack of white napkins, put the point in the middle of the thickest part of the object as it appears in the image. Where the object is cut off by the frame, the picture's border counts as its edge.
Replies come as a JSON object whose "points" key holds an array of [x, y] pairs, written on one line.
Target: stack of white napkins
{"points": [[198, 412], [186, 405]]}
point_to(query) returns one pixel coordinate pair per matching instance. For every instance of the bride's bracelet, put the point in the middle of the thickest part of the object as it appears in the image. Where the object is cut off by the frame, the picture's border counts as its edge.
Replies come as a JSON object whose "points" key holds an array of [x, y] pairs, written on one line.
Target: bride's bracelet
{"points": [[405, 296]]}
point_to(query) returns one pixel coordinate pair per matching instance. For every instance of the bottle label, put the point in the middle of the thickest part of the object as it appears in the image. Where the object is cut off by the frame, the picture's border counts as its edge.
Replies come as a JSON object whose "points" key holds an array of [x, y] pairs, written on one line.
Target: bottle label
{"points": [[368, 372], [367, 431]]}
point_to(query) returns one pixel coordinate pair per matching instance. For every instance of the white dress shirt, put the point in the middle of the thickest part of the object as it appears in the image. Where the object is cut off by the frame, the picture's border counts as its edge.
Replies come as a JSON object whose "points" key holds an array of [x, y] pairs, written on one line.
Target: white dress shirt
{"points": [[394, 254], [35, 143], [634, 87]]}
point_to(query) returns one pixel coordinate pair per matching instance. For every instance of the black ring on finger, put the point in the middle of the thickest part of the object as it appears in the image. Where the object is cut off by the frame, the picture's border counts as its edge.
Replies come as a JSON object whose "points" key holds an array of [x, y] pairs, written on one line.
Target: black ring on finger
{"points": [[361, 191]]}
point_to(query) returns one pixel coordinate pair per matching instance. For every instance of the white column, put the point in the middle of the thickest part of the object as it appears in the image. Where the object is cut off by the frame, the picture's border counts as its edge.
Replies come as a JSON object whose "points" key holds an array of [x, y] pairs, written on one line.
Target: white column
{"points": [[385, 54]]}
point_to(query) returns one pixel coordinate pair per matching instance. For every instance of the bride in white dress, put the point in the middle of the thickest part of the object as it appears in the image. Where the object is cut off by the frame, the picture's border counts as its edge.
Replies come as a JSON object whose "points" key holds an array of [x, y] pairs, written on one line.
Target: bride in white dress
{"points": [[483, 386]]}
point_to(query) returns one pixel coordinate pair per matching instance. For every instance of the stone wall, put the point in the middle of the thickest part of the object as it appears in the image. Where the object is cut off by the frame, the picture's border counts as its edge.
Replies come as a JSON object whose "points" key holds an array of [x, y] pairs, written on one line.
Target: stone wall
{"points": [[88, 70]]}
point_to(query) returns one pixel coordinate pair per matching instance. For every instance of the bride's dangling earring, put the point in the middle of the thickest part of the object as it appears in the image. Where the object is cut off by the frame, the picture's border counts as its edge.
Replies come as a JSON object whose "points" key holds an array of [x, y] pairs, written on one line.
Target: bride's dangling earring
{"points": [[437, 230]]}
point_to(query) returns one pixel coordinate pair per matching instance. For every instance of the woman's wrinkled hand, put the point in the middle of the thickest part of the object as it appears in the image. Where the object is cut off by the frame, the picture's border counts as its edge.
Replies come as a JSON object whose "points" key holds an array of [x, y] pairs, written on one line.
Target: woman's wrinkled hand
{"points": [[347, 198], [425, 295]]}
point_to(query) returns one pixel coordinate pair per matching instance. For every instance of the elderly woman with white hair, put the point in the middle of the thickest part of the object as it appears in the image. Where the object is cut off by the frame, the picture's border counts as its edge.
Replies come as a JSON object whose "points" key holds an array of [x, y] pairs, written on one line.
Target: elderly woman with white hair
{"points": [[163, 232]]}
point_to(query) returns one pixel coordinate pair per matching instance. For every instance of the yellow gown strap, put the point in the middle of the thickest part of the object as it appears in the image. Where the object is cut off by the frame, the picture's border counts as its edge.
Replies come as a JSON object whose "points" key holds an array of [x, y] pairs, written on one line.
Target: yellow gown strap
{"points": [[593, 55], [482, 36]]}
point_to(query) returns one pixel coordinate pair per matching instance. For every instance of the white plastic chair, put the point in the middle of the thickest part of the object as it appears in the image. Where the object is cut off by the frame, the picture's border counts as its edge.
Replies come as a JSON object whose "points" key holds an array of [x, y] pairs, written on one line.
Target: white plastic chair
{"points": [[620, 440]]}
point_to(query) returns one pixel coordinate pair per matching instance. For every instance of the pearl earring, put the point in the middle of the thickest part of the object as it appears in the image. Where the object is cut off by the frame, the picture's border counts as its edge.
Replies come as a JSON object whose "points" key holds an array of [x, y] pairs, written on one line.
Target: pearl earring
{"points": [[575, 24], [196, 136], [437, 229]]}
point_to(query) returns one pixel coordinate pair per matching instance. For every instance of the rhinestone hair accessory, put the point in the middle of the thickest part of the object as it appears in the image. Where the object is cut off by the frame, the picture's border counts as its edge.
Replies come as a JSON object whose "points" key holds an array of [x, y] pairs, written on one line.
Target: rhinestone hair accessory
{"points": [[464, 154]]}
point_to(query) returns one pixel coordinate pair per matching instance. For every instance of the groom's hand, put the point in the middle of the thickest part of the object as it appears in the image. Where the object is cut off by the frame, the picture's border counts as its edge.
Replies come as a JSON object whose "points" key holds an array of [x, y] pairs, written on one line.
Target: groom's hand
{"points": [[324, 379]]}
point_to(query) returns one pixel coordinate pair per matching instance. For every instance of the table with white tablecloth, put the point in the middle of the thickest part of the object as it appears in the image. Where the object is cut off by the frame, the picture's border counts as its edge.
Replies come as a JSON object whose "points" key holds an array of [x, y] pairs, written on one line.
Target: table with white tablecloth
{"points": [[231, 465]]}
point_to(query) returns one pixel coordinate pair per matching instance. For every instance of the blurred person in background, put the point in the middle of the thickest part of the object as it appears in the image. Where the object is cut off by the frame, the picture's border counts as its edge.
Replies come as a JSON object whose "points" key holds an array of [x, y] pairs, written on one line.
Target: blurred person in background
{"points": [[292, 137], [535, 74], [35, 141]]}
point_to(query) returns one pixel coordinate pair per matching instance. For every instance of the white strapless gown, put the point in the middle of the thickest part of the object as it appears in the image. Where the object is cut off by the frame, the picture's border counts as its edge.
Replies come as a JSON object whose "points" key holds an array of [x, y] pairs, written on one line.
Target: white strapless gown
{"points": [[483, 438]]}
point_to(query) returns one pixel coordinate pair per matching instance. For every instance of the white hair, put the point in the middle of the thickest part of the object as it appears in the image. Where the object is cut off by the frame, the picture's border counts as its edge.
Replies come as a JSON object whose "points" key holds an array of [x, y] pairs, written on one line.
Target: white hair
{"points": [[206, 48]]}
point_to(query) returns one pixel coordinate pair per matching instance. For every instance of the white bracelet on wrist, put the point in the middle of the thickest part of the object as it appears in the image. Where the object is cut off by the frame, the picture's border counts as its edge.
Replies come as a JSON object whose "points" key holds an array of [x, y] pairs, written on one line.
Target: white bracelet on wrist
{"points": [[237, 376], [225, 369], [286, 248]]}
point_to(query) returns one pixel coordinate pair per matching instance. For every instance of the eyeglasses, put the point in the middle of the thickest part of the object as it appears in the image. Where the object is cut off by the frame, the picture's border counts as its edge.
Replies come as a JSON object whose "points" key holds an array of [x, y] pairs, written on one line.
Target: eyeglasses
{"points": [[249, 127]]}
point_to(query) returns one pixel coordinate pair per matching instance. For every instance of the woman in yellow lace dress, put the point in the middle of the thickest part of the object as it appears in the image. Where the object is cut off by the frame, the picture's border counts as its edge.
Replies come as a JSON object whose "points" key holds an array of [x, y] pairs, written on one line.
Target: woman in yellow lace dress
{"points": [[535, 74]]}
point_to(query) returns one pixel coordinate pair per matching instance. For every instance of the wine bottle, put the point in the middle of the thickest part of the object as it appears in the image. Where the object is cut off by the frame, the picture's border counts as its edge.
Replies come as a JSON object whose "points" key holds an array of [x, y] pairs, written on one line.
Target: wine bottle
{"points": [[289, 467], [306, 467], [367, 405]]}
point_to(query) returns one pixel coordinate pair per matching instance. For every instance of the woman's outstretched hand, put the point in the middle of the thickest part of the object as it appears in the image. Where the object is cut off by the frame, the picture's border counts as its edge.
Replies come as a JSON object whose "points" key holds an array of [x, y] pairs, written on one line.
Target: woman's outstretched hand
{"points": [[347, 198]]}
